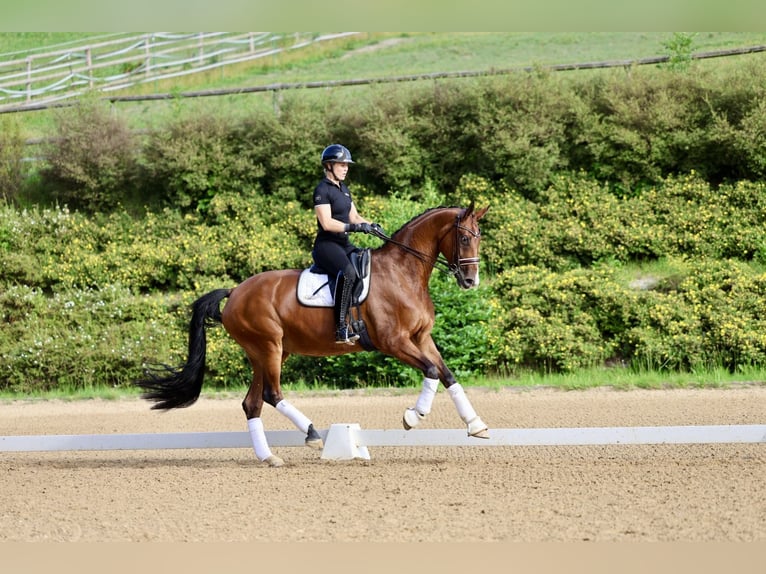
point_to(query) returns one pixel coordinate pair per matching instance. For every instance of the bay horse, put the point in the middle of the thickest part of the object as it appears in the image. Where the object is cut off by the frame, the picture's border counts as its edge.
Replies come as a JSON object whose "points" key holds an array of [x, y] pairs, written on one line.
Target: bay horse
{"points": [[264, 316]]}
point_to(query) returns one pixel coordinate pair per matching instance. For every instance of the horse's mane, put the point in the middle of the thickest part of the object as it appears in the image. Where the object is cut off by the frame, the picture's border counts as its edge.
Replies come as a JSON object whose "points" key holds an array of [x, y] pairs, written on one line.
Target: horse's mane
{"points": [[426, 212]]}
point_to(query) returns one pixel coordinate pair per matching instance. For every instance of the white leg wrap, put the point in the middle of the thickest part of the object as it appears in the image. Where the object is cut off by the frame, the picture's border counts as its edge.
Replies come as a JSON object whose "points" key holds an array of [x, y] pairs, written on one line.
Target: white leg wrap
{"points": [[260, 446], [426, 397], [300, 420], [462, 404], [476, 426], [413, 415]]}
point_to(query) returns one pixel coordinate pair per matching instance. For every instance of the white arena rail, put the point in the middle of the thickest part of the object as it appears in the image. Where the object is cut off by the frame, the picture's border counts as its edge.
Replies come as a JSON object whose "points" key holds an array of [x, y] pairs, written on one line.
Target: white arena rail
{"points": [[348, 441]]}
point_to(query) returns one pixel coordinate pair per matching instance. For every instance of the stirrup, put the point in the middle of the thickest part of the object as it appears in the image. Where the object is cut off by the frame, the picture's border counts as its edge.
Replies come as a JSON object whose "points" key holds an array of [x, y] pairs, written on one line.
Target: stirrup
{"points": [[343, 336]]}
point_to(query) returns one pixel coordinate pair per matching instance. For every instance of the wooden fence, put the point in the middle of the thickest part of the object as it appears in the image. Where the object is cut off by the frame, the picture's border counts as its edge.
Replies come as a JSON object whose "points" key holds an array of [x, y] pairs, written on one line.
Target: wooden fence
{"points": [[654, 60], [44, 78]]}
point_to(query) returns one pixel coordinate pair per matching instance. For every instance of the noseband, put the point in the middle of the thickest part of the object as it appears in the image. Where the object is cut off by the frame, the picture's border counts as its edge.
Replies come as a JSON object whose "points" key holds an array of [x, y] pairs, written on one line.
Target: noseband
{"points": [[457, 264]]}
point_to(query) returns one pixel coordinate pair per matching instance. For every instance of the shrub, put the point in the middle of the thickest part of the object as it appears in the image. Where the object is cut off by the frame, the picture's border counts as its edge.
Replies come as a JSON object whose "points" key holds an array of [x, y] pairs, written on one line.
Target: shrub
{"points": [[521, 130], [559, 322], [584, 176], [12, 172], [446, 127], [194, 158], [92, 163], [750, 141], [390, 154], [81, 338], [287, 148], [711, 318]]}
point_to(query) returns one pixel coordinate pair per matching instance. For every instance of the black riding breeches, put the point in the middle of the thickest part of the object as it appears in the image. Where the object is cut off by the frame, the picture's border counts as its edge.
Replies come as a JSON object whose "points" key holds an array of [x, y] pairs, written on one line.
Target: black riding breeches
{"points": [[333, 258]]}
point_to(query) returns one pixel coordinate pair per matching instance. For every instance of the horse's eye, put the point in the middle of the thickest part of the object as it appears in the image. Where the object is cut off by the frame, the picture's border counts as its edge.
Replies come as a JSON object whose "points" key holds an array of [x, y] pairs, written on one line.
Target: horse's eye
{"points": [[465, 240]]}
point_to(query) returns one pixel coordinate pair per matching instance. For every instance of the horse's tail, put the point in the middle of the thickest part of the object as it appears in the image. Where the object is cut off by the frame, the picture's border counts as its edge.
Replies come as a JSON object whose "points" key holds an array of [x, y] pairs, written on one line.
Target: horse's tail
{"points": [[180, 387]]}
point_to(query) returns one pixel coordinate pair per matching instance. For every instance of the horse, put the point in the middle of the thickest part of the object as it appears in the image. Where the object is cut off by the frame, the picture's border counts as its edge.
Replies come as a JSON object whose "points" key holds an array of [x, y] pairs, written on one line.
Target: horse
{"points": [[264, 316]]}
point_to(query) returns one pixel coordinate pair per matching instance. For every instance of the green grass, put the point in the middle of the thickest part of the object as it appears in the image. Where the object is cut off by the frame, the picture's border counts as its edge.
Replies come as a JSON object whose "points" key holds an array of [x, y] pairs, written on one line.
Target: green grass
{"points": [[376, 55], [615, 377], [626, 379], [12, 44], [647, 275], [66, 394]]}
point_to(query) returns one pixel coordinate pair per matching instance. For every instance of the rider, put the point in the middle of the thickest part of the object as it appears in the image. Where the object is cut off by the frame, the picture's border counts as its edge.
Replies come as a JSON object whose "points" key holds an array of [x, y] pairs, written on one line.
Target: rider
{"points": [[336, 217]]}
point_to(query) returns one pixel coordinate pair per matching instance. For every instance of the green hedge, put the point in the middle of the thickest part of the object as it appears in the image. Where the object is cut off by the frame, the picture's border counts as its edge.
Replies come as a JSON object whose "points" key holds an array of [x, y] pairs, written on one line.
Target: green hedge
{"points": [[578, 223], [625, 224], [670, 280], [625, 129]]}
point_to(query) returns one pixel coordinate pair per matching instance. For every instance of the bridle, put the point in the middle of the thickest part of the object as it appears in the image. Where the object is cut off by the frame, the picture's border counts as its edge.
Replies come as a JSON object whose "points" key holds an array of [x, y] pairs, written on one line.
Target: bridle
{"points": [[455, 267]]}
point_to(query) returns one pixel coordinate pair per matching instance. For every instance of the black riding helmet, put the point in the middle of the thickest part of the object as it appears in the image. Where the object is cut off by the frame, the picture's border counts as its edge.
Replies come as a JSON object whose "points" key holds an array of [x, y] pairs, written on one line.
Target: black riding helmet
{"points": [[336, 153]]}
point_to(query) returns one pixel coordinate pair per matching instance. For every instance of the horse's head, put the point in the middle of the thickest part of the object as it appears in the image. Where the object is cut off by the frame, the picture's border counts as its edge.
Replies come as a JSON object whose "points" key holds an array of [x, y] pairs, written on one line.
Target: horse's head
{"points": [[449, 232], [463, 255]]}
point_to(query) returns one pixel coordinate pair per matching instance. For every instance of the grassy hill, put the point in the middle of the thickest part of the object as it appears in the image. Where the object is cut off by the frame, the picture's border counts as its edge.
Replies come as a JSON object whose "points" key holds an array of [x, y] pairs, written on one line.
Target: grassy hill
{"points": [[381, 55]]}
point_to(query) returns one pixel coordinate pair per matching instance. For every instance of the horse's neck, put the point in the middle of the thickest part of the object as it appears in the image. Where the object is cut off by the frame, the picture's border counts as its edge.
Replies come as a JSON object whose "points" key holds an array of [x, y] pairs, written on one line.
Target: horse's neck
{"points": [[428, 246], [427, 234], [423, 241], [417, 269]]}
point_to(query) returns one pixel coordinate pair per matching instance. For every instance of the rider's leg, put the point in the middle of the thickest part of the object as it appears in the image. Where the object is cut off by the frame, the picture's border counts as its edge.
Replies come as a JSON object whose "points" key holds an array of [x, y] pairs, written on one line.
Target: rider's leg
{"points": [[334, 259], [343, 288]]}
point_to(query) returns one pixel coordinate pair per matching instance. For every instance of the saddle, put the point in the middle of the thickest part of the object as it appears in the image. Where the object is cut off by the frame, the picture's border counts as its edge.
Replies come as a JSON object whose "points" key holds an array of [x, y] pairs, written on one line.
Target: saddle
{"points": [[317, 289]]}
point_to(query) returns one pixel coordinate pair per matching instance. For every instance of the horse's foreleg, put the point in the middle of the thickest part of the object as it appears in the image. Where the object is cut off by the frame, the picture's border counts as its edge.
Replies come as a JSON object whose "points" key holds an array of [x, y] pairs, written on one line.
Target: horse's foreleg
{"points": [[476, 426], [413, 415]]}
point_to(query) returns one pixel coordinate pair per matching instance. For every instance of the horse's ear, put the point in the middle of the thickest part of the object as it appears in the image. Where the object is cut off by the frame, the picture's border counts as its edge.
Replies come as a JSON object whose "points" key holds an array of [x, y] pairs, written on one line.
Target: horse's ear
{"points": [[478, 214]]}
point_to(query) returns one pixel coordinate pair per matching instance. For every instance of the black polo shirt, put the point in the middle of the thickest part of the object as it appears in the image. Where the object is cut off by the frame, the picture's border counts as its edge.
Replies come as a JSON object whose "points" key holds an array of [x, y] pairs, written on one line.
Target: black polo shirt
{"points": [[339, 200]]}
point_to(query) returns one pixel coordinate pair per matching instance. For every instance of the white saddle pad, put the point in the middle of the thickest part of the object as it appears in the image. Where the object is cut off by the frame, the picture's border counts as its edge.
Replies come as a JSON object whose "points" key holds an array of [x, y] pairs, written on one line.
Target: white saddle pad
{"points": [[314, 290]]}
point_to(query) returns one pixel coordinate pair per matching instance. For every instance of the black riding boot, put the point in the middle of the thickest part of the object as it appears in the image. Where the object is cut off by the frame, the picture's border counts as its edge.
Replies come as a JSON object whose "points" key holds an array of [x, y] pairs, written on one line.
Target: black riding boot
{"points": [[343, 290]]}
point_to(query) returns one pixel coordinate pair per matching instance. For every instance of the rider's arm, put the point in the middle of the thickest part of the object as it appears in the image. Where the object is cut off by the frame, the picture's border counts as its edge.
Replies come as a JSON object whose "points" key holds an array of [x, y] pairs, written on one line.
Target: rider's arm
{"points": [[354, 217], [324, 215]]}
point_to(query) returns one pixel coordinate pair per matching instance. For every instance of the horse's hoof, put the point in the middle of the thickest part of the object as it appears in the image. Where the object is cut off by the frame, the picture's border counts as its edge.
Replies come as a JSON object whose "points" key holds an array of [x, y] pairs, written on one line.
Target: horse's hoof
{"points": [[411, 419], [313, 440], [477, 428], [274, 461], [315, 443]]}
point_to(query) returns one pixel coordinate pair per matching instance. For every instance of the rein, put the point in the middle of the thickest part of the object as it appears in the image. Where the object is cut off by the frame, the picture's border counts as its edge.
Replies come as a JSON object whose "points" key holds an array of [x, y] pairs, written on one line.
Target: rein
{"points": [[438, 263]]}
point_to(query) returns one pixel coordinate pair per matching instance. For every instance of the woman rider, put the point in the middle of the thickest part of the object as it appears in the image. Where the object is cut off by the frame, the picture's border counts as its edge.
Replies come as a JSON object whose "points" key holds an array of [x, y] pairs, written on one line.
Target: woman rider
{"points": [[336, 218]]}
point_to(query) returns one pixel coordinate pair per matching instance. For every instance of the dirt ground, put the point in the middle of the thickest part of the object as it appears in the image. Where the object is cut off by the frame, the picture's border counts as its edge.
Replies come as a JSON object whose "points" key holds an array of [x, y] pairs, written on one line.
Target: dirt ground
{"points": [[403, 494]]}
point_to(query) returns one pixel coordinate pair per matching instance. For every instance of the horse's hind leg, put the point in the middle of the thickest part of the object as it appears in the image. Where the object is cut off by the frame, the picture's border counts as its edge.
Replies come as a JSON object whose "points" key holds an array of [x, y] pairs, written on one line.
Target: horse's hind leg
{"points": [[272, 394], [253, 405], [302, 422]]}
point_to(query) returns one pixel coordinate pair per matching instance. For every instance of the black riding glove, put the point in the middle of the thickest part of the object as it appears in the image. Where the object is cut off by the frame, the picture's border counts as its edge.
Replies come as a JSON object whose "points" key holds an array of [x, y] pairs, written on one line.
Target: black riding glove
{"points": [[359, 227], [377, 229]]}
